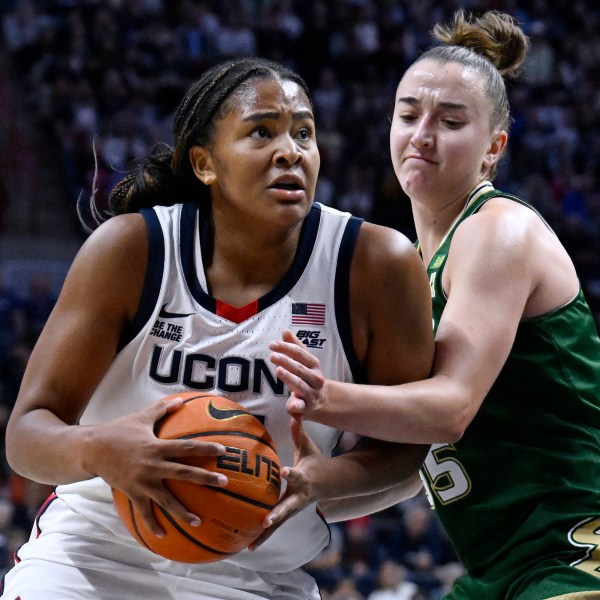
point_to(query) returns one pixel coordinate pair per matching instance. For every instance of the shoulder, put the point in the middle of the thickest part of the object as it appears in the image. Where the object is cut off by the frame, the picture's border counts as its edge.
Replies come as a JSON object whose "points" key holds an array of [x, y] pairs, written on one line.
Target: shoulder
{"points": [[118, 236], [113, 258], [381, 251], [391, 306], [388, 276], [503, 246], [501, 225], [510, 242]]}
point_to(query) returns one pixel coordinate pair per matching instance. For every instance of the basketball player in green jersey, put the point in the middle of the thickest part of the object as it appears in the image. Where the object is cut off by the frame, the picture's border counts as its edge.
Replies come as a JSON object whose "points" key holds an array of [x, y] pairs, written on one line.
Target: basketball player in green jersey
{"points": [[512, 406]]}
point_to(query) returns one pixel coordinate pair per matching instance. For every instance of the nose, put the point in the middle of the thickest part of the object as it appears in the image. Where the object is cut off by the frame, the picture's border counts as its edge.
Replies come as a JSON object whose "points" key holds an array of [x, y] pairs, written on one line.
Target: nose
{"points": [[422, 136], [287, 151]]}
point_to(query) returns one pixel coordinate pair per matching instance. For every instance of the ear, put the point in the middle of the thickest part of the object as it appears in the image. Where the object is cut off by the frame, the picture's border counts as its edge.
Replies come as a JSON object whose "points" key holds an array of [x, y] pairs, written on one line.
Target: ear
{"points": [[494, 152], [202, 164]]}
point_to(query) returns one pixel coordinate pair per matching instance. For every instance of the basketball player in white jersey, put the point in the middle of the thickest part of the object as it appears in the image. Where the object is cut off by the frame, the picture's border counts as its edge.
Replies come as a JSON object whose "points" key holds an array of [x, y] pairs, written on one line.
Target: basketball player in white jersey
{"points": [[214, 248]]}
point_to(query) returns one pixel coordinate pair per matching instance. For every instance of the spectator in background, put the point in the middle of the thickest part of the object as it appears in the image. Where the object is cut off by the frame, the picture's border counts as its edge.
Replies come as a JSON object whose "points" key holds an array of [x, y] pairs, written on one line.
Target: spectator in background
{"points": [[345, 589], [417, 544], [446, 575], [12, 320], [357, 197], [23, 29], [237, 36], [392, 583], [328, 567], [6, 519]]}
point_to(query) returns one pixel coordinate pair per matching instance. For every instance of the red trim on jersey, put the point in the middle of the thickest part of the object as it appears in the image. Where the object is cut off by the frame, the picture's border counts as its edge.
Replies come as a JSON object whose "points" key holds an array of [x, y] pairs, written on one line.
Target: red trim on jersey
{"points": [[51, 498], [235, 314]]}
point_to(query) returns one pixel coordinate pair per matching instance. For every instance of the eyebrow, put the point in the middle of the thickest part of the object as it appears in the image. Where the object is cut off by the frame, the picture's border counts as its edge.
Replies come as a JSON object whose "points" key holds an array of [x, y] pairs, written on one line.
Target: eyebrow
{"points": [[261, 116], [449, 105]]}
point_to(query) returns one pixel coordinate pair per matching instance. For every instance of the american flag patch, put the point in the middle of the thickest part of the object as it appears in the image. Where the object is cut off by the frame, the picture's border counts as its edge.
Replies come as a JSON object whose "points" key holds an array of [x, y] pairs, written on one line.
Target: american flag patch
{"points": [[308, 313]]}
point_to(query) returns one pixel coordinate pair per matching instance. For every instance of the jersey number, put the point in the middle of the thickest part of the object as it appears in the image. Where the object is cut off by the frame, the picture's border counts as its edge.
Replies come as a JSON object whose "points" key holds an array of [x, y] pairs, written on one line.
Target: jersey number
{"points": [[587, 535], [446, 477]]}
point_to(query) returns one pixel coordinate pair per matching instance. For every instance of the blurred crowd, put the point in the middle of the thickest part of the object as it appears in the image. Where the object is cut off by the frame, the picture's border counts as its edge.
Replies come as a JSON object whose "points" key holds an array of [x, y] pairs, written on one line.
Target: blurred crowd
{"points": [[100, 80]]}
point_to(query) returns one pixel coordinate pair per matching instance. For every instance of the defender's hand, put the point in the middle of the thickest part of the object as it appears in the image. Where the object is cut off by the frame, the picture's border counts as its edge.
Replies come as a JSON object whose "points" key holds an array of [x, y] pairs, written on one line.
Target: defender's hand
{"points": [[301, 372]]}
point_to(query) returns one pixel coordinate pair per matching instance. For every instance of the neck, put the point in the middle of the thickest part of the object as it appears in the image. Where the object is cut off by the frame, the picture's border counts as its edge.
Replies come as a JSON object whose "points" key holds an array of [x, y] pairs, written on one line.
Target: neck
{"points": [[433, 220], [247, 264], [433, 223]]}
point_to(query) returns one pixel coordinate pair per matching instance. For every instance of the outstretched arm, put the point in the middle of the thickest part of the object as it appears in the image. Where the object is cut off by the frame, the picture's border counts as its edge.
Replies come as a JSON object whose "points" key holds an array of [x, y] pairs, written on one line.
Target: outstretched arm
{"points": [[493, 276]]}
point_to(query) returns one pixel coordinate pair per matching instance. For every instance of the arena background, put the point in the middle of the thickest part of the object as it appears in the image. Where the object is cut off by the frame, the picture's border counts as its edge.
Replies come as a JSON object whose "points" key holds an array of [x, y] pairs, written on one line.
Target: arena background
{"points": [[78, 72]]}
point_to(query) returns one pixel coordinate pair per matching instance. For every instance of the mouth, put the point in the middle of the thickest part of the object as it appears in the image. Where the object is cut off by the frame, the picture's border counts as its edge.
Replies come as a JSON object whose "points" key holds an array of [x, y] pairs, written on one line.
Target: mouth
{"points": [[285, 186], [288, 189], [418, 157], [287, 183]]}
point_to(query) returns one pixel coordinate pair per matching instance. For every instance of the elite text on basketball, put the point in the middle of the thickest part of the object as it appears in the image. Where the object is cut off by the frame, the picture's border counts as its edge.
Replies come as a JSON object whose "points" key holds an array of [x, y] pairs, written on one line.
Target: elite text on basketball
{"points": [[239, 460]]}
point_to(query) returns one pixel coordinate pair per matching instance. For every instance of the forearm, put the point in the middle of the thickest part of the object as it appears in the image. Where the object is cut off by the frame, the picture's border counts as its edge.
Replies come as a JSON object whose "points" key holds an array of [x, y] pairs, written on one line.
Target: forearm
{"points": [[421, 412], [41, 447], [371, 467], [342, 509]]}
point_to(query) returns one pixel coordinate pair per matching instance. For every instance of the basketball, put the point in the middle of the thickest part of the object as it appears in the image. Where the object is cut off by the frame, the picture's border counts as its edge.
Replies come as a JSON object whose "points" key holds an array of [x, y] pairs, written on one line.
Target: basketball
{"points": [[231, 516]]}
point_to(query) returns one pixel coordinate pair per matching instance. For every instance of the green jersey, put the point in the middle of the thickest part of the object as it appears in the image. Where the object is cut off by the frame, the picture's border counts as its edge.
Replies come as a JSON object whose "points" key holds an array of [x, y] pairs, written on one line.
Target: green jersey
{"points": [[519, 493]]}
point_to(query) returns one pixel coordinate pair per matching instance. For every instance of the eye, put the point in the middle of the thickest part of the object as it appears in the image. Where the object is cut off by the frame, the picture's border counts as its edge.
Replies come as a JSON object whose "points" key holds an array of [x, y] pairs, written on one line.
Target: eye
{"points": [[260, 132], [452, 123], [407, 117], [304, 134]]}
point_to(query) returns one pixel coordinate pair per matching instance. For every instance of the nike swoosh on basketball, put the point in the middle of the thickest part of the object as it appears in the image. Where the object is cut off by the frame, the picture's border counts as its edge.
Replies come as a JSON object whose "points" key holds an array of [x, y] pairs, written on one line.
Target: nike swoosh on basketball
{"points": [[165, 314], [222, 414]]}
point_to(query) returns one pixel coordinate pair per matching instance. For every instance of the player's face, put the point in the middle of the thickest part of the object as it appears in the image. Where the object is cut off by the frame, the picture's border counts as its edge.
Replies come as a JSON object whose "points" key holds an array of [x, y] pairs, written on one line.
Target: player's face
{"points": [[263, 160], [441, 139]]}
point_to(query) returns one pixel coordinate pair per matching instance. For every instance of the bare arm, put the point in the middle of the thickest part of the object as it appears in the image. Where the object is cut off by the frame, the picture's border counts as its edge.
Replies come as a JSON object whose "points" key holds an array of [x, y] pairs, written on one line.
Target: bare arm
{"points": [[373, 475], [44, 442], [493, 276], [392, 333], [343, 509]]}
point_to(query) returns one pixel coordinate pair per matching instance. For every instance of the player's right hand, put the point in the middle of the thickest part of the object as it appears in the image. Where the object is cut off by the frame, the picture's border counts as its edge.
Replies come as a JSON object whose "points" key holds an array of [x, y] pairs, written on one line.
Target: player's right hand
{"points": [[128, 455]]}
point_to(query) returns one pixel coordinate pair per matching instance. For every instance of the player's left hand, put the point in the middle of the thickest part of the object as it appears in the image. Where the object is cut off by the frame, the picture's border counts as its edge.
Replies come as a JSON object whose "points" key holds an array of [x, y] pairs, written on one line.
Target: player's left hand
{"points": [[302, 487]]}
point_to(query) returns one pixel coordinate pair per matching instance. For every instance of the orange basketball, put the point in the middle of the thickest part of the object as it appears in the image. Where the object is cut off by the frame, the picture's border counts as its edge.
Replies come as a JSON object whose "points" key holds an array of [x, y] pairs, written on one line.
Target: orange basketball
{"points": [[231, 516]]}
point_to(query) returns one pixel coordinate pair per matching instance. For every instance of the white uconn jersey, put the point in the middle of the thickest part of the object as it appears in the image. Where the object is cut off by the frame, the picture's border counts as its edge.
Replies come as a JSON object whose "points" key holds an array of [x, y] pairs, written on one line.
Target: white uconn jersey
{"points": [[182, 339]]}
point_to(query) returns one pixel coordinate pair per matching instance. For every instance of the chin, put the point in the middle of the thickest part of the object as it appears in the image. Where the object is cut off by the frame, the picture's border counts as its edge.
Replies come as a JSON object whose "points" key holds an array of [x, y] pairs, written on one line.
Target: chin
{"points": [[290, 213], [416, 186]]}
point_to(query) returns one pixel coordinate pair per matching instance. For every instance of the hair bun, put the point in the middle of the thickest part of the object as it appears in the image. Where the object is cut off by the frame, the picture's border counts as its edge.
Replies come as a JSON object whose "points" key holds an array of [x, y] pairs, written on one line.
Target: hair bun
{"points": [[495, 35]]}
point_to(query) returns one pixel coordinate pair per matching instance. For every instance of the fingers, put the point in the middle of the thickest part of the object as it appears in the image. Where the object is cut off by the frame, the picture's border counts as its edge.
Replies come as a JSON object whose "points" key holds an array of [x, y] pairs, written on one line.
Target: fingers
{"points": [[164, 407], [296, 350], [293, 359], [295, 406], [193, 456], [289, 336], [143, 506], [189, 460], [295, 370], [190, 447], [182, 460], [164, 500], [291, 504], [299, 436]]}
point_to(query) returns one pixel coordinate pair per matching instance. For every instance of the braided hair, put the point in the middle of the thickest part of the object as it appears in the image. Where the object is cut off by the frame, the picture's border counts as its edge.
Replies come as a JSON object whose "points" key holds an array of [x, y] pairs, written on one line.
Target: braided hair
{"points": [[166, 176]]}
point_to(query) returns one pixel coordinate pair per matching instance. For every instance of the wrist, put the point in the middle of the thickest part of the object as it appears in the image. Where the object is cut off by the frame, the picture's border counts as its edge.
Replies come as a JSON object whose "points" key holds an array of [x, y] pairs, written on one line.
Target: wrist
{"points": [[324, 410], [86, 450]]}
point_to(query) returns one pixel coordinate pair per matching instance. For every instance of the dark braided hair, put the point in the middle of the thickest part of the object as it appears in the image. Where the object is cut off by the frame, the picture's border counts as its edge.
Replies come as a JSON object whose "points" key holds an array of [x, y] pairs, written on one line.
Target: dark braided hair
{"points": [[166, 177]]}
